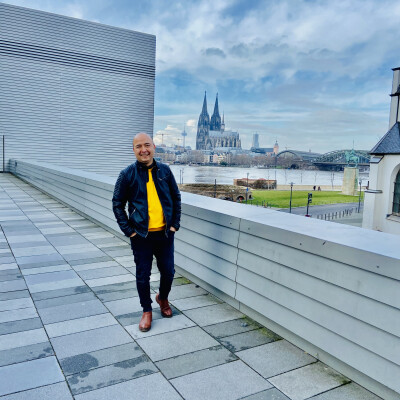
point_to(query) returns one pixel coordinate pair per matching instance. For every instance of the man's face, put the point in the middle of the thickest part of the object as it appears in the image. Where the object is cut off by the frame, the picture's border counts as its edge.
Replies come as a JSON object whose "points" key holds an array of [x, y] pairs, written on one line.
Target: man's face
{"points": [[144, 148]]}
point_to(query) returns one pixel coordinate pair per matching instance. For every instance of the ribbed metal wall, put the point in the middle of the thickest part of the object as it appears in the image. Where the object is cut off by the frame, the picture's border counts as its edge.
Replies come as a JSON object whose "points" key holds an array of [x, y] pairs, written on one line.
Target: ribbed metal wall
{"points": [[73, 92]]}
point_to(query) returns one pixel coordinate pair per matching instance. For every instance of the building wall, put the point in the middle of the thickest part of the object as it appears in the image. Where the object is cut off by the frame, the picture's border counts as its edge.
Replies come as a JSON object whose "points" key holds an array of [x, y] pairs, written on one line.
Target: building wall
{"points": [[73, 92], [378, 203], [331, 289]]}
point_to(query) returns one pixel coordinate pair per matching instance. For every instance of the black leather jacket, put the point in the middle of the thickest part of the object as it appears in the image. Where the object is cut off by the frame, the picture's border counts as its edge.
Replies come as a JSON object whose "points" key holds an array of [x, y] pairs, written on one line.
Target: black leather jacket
{"points": [[131, 188]]}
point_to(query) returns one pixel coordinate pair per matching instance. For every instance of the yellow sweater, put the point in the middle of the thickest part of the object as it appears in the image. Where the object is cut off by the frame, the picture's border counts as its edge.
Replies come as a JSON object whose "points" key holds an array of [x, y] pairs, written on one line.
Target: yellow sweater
{"points": [[156, 215]]}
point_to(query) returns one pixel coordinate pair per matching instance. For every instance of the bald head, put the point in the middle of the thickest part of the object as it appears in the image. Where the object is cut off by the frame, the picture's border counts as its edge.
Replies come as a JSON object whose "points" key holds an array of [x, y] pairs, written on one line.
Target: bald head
{"points": [[144, 148]]}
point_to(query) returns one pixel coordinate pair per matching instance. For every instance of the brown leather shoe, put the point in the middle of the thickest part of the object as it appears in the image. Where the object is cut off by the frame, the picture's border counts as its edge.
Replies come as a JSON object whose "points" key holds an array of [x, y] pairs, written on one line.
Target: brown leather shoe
{"points": [[145, 322], [164, 306]]}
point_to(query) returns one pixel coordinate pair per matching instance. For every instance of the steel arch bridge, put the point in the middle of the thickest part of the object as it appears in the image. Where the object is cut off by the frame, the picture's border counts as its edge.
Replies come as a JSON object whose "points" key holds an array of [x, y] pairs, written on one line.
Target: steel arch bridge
{"points": [[337, 159]]}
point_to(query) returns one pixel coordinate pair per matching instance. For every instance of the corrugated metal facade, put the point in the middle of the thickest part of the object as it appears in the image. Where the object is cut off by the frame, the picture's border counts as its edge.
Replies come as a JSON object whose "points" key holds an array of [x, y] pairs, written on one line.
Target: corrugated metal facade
{"points": [[73, 92]]}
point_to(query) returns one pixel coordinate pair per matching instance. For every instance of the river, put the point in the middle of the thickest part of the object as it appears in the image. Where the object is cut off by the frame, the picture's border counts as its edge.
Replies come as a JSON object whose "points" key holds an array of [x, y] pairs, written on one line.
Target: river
{"points": [[226, 175]]}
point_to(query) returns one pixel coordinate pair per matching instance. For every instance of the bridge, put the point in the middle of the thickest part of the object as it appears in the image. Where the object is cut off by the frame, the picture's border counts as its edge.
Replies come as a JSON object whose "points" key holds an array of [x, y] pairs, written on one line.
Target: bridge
{"points": [[336, 160]]}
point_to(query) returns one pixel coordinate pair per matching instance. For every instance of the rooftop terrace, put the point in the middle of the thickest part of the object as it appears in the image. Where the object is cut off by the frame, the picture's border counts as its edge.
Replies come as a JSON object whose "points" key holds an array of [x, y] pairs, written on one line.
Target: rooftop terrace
{"points": [[69, 317]]}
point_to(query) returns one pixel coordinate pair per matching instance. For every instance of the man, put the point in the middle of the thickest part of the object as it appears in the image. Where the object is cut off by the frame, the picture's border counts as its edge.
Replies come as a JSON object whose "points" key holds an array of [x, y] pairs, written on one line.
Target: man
{"points": [[154, 212]]}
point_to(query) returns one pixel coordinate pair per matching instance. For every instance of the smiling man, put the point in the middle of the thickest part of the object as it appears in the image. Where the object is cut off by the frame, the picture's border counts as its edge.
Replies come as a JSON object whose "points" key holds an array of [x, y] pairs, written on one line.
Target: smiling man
{"points": [[154, 212]]}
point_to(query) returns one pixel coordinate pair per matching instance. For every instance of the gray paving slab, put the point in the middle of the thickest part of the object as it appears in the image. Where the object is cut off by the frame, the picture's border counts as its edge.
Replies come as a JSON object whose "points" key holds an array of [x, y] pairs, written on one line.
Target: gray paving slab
{"points": [[114, 287], [24, 338], [10, 286], [8, 266], [102, 272], [196, 361], [149, 387], [10, 275], [84, 256], [232, 327], [41, 264], [224, 382], [30, 374], [124, 306], [213, 314], [56, 391], [33, 251], [100, 358], [15, 304], [162, 325], [50, 277], [63, 292], [96, 339], [110, 280], [95, 265], [176, 343], [7, 260], [62, 300], [308, 381], [15, 315], [66, 312], [80, 325], [43, 270], [18, 294], [62, 284], [39, 259], [270, 394], [117, 295], [275, 358], [90, 260], [19, 326], [350, 391], [246, 340], [190, 290], [134, 318], [195, 302], [111, 374]]}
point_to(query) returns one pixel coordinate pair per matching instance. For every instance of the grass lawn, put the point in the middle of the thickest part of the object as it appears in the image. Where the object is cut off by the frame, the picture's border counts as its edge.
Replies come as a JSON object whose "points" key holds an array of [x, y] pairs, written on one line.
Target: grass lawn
{"points": [[281, 198]]}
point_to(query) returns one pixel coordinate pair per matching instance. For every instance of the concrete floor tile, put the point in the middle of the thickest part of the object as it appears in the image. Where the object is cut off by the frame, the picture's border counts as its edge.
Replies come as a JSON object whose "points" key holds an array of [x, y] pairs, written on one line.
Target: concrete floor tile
{"points": [[84, 255], [80, 325], [100, 358], [114, 287], [149, 387], [195, 302], [224, 382], [39, 259], [95, 265], [275, 358], [96, 339], [50, 286], [24, 338], [10, 286], [176, 343], [270, 394], [15, 304], [63, 292], [20, 326], [33, 251], [43, 270], [246, 340], [196, 361], [30, 374], [308, 381], [190, 290], [102, 272], [63, 300], [162, 325], [18, 294], [111, 374], [50, 277], [213, 314], [67, 312], [351, 391], [8, 267], [124, 306], [15, 315], [117, 295], [232, 327], [56, 391], [110, 280]]}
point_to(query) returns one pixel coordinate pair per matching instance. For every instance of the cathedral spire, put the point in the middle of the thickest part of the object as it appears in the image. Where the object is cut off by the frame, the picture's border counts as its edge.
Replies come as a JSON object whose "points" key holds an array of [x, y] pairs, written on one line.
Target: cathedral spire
{"points": [[215, 124], [204, 110]]}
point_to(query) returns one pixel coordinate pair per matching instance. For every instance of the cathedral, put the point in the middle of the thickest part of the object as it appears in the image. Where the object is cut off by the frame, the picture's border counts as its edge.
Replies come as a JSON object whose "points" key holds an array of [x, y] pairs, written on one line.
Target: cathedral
{"points": [[211, 134]]}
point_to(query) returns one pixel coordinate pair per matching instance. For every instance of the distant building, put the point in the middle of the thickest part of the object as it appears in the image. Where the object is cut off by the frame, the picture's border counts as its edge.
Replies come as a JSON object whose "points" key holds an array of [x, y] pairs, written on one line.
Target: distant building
{"points": [[382, 198], [255, 144], [211, 134]]}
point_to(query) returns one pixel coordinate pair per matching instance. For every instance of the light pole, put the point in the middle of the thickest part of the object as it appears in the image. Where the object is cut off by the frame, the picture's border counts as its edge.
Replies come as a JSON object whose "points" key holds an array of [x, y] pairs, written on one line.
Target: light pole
{"points": [[291, 191], [359, 196], [247, 188]]}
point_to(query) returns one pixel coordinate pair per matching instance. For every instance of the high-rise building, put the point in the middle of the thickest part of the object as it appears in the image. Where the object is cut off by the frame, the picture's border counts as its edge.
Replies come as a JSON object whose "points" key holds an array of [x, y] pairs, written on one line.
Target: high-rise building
{"points": [[255, 144]]}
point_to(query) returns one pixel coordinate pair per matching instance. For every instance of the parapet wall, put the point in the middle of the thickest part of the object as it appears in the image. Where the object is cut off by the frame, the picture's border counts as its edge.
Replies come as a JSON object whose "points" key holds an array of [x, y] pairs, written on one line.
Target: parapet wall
{"points": [[329, 288]]}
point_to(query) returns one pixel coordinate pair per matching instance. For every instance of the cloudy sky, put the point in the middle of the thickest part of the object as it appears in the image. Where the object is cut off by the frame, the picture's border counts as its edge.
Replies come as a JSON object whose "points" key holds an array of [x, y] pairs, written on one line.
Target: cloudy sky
{"points": [[311, 74]]}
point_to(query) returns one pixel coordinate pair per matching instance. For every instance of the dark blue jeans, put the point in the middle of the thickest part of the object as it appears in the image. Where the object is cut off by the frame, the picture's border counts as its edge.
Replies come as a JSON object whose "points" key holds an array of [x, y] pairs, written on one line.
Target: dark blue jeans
{"points": [[162, 248]]}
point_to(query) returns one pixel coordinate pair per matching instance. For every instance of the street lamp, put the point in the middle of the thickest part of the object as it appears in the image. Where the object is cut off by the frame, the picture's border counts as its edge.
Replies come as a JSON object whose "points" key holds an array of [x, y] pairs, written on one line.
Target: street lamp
{"points": [[247, 188], [359, 196], [291, 191]]}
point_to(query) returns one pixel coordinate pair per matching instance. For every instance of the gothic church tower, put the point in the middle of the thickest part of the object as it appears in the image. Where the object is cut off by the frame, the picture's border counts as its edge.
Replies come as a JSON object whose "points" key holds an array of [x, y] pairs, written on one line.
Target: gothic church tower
{"points": [[215, 124], [203, 126]]}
